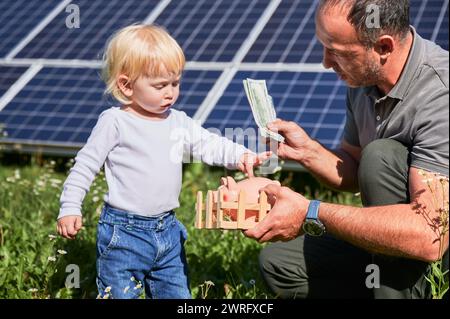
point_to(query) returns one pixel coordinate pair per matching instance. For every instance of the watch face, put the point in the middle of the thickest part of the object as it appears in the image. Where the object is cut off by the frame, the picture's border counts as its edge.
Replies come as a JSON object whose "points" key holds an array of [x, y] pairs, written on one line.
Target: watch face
{"points": [[313, 228]]}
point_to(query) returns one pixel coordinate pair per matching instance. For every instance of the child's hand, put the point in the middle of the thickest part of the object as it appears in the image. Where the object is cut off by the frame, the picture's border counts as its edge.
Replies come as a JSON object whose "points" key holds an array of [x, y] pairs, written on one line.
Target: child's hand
{"points": [[249, 160], [69, 226]]}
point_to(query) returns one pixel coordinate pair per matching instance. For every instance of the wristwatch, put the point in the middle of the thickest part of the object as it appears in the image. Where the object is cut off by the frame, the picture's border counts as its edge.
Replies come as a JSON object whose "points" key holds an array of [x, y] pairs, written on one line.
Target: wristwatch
{"points": [[312, 225]]}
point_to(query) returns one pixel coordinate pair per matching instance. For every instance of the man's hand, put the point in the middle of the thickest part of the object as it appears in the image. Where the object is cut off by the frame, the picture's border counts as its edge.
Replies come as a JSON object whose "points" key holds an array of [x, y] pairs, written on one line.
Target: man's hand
{"points": [[286, 217], [69, 226], [250, 160], [296, 139]]}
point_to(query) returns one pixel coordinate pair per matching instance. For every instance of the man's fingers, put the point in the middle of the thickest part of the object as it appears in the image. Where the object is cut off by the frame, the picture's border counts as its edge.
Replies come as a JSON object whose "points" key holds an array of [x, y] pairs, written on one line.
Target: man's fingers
{"points": [[263, 231], [272, 190], [269, 236], [275, 122], [261, 228], [258, 231], [281, 126], [284, 150]]}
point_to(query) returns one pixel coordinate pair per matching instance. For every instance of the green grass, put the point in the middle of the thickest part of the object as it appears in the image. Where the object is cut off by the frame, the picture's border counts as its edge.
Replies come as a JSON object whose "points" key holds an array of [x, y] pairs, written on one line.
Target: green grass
{"points": [[222, 264]]}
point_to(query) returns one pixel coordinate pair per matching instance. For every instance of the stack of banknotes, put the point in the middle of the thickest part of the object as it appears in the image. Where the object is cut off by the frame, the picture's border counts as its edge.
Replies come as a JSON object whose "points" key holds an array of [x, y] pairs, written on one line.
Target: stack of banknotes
{"points": [[262, 107]]}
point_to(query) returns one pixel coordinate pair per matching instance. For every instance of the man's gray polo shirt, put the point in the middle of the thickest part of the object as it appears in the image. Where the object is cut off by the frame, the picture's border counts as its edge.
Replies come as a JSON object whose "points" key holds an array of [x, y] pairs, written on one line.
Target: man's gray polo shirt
{"points": [[415, 112]]}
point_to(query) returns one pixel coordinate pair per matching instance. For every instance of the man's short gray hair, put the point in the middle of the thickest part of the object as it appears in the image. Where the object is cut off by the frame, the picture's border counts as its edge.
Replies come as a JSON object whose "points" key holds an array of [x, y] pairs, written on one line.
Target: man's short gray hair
{"points": [[393, 17]]}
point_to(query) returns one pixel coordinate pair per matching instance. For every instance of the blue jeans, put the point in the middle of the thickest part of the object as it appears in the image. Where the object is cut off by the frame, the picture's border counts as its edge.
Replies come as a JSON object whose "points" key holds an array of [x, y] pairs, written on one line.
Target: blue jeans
{"points": [[136, 252]]}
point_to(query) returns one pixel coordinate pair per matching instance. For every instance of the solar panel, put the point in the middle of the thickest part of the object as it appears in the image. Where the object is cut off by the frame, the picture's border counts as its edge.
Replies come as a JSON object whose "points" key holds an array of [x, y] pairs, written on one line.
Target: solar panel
{"points": [[98, 20], [316, 100], [288, 36], [430, 18], [224, 41], [61, 105], [9, 75], [211, 30], [19, 18]]}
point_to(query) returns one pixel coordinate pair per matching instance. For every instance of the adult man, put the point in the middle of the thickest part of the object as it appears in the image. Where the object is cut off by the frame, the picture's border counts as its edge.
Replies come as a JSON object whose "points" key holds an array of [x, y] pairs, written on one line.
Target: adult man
{"points": [[397, 126]]}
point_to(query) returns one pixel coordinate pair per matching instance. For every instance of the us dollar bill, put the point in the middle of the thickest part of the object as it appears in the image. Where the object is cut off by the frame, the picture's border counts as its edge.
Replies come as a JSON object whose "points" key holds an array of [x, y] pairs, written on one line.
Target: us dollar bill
{"points": [[262, 107]]}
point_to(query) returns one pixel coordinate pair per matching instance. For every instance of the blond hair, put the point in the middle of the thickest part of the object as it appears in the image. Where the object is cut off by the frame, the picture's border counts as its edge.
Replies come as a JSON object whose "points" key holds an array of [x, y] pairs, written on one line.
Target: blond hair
{"points": [[140, 50]]}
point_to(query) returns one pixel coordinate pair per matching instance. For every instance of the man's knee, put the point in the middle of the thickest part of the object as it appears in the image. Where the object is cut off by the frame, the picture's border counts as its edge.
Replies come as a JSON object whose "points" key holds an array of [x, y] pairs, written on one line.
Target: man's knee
{"points": [[278, 277], [267, 268], [383, 173], [382, 155]]}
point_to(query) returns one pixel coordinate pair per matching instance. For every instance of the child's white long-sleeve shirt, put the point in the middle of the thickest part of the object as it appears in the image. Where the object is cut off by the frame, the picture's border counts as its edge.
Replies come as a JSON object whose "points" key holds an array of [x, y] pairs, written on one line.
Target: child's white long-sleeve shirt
{"points": [[143, 161]]}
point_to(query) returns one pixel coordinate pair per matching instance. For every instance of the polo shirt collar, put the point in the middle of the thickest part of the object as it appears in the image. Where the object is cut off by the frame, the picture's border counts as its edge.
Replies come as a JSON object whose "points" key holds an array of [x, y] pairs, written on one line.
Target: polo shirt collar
{"points": [[412, 63]]}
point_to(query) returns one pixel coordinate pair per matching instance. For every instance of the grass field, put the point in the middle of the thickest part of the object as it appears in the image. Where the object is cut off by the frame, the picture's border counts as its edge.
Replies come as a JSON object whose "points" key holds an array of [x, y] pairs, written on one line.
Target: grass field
{"points": [[33, 260]]}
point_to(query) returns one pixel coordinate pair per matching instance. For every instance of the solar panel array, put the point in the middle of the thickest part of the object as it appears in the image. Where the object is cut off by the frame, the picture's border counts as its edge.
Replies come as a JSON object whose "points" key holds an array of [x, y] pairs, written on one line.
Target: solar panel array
{"points": [[51, 92]]}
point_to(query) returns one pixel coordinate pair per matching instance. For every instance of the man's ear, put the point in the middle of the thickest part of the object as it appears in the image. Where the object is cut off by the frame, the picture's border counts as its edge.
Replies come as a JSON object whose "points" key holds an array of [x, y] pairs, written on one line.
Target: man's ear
{"points": [[385, 46], [125, 86]]}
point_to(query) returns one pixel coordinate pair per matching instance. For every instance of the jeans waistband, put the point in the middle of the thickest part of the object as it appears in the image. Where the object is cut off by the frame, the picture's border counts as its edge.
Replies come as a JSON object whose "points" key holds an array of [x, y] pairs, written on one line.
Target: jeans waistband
{"points": [[116, 216]]}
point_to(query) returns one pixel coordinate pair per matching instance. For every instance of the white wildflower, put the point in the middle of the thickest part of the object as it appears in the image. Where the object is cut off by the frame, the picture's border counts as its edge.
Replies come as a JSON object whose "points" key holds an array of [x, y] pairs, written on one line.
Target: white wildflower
{"points": [[51, 237], [62, 252], [126, 289], [95, 199], [51, 258], [55, 182], [106, 296], [252, 282], [108, 289], [32, 290]]}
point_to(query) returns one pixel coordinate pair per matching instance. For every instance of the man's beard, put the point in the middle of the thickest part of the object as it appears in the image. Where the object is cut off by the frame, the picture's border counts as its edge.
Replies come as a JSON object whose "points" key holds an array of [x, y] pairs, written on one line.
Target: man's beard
{"points": [[369, 76]]}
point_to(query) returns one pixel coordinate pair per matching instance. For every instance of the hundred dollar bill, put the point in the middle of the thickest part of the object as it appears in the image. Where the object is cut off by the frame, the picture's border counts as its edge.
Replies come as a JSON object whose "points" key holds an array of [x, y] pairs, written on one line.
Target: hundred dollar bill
{"points": [[262, 107]]}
